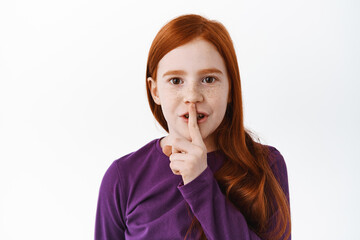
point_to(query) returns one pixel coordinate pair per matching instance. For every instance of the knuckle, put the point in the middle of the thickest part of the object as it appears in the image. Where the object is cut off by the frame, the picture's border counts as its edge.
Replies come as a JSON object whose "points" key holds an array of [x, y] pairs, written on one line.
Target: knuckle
{"points": [[172, 165]]}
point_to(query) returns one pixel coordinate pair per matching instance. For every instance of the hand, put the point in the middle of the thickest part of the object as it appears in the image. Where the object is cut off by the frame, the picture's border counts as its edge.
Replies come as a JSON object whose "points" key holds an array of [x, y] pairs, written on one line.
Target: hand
{"points": [[188, 158]]}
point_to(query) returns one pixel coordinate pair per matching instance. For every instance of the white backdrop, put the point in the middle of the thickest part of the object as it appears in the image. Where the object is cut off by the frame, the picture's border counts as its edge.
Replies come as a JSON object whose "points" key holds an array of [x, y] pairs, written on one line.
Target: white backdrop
{"points": [[72, 100]]}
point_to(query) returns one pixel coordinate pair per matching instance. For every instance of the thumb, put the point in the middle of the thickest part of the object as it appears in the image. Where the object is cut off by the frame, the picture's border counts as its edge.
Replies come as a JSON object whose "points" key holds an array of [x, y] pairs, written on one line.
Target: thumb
{"points": [[167, 150]]}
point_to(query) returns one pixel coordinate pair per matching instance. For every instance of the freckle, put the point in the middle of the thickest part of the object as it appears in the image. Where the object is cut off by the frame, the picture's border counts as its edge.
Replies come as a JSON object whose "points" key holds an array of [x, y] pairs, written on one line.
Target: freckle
{"points": [[210, 92]]}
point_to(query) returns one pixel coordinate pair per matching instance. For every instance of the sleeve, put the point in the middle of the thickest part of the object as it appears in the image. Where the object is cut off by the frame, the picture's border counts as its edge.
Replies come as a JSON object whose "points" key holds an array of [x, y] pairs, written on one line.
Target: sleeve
{"points": [[109, 223], [219, 218], [278, 167]]}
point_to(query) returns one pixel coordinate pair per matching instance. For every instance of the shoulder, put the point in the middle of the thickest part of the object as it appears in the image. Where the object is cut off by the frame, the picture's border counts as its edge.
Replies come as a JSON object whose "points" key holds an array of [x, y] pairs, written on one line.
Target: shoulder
{"points": [[278, 166], [137, 158], [276, 159], [123, 171], [130, 166], [133, 157]]}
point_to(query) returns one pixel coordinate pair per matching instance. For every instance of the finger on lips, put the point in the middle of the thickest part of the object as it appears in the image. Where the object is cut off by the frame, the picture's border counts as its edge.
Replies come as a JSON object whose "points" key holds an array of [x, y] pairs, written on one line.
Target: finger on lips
{"points": [[194, 130], [179, 145], [181, 151]]}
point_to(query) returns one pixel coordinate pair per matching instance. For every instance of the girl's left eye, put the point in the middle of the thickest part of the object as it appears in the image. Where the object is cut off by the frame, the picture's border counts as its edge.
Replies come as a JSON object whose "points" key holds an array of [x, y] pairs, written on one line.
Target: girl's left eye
{"points": [[209, 79]]}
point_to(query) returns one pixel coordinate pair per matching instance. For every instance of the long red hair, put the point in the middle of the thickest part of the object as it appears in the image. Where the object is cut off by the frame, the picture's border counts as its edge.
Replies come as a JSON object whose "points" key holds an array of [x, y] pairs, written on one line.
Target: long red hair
{"points": [[245, 177]]}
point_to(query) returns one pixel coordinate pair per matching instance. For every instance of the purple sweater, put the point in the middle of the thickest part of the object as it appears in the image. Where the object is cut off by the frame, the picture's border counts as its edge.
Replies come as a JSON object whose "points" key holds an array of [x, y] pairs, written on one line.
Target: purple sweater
{"points": [[140, 198]]}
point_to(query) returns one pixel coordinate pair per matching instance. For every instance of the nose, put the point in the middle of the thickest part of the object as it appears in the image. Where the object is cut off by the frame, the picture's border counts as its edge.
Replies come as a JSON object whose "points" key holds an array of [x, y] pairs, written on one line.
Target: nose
{"points": [[193, 94]]}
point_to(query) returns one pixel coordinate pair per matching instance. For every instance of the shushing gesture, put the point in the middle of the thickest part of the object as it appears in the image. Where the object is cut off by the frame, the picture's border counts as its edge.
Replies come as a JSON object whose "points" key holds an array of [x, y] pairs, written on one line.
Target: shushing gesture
{"points": [[188, 158]]}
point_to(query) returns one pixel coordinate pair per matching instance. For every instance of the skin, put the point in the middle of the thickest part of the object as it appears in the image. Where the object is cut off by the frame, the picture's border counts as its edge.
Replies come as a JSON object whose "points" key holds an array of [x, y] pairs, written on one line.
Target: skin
{"points": [[191, 91]]}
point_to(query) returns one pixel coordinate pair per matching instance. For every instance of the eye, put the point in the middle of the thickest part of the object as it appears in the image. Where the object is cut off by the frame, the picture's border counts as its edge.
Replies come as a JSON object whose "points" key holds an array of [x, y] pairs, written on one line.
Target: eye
{"points": [[175, 81], [209, 79]]}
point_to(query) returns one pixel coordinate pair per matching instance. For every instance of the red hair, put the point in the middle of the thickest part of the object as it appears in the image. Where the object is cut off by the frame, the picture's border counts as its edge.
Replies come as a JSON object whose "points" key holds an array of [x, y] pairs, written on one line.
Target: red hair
{"points": [[245, 177]]}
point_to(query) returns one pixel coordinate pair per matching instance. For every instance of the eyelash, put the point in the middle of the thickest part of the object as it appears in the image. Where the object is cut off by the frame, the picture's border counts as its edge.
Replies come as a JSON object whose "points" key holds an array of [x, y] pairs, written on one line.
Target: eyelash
{"points": [[214, 79]]}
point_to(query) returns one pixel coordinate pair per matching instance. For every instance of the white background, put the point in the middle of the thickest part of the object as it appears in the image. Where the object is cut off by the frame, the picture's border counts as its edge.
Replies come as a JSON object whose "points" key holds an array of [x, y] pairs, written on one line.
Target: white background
{"points": [[72, 100]]}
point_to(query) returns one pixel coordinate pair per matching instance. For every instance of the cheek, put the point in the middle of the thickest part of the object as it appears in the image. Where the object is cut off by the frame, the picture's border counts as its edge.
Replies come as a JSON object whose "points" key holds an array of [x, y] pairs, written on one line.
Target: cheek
{"points": [[167, 94], [165, 109], [218, 102], [211, 93], [220, 109], [169, 104], [217, 96], [219, 92]]}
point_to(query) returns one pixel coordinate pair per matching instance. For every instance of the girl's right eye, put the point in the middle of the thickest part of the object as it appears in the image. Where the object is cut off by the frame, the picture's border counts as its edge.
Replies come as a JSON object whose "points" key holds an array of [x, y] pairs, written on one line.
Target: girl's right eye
{"points": [[175, 81]]}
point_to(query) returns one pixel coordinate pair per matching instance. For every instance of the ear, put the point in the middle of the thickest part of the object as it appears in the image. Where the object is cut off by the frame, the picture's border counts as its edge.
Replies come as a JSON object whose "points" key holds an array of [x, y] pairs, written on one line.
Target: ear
{"points": [[154, 90]]}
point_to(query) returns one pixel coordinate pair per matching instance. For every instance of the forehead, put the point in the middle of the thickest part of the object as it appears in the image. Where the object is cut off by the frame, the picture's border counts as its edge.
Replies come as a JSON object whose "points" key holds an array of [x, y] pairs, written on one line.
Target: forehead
{"points": [[190, 57]]}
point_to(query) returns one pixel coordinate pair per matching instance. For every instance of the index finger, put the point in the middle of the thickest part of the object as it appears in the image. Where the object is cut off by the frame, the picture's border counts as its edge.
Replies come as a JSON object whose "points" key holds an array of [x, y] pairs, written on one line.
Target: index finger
{"points": [[194, 130]]}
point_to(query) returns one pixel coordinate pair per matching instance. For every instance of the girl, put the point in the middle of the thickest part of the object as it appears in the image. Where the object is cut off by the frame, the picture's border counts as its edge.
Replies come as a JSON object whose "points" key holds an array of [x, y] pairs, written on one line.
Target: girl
{"points": [[208, 178]]}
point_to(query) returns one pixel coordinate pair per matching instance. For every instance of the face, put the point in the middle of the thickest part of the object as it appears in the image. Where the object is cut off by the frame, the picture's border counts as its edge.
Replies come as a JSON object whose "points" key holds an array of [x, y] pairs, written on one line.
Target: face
{"points": [[192, 73]]}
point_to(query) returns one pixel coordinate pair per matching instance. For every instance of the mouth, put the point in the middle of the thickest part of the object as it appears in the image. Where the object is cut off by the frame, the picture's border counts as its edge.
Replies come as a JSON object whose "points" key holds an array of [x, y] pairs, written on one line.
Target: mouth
{"points": [[201, 117]]}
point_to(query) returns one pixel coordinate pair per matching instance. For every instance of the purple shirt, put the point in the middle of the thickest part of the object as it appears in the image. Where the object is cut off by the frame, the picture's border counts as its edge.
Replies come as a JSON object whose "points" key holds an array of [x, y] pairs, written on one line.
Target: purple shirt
{"points": [[141, 198]]}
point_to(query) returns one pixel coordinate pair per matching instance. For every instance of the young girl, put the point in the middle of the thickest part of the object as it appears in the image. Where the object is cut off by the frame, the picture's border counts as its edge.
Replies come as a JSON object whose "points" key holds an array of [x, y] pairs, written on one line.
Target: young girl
{"points": [[208, 178]]}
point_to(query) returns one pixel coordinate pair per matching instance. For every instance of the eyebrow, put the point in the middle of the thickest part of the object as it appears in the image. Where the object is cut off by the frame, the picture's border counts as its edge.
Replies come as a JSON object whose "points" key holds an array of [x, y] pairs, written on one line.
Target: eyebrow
{"points": [[202, 71]]}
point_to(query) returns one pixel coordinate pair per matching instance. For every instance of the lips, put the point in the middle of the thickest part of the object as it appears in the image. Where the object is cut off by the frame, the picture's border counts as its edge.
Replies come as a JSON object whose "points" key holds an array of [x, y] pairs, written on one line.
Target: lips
{"points": [[201, 116]]}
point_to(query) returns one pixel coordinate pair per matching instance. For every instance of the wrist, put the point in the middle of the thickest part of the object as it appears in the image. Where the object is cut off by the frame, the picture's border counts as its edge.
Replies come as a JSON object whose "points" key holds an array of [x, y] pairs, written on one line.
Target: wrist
{"points": [[188, 179]]}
